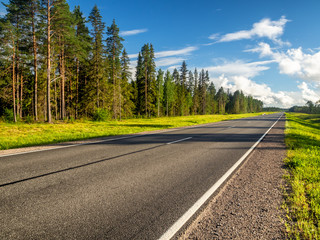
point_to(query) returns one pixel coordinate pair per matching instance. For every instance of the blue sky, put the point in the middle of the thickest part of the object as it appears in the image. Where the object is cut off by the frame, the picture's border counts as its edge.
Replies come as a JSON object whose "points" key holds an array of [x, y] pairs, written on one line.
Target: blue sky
{"points": [[270, 49]]}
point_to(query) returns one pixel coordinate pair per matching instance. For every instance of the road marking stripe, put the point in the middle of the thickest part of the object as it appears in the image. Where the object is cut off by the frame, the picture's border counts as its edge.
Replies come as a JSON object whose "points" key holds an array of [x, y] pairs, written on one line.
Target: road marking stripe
{"points": [[184, 139], [115, 139], [185, 217], [112, 139]]}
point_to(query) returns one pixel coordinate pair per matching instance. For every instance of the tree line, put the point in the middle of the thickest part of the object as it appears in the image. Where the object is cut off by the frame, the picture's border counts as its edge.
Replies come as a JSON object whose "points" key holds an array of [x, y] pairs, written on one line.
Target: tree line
{"points": [[54, 66], [310, 107]]}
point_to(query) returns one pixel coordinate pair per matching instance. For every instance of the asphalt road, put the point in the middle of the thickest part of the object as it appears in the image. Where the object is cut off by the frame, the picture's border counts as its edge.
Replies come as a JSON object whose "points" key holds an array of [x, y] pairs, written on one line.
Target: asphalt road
{"points": [[132, 188]]}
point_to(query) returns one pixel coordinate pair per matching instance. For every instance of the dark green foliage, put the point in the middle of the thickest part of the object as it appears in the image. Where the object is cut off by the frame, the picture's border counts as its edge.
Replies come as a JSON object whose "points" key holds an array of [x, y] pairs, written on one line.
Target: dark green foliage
{"points": [[101, 115], [114, 49], [85, 74], [8, 115], [310, 107]]}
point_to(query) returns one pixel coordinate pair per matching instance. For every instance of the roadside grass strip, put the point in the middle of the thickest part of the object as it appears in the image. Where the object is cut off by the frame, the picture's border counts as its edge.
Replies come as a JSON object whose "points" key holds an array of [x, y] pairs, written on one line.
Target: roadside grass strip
{"points": [[14, 135], [303, 196]]}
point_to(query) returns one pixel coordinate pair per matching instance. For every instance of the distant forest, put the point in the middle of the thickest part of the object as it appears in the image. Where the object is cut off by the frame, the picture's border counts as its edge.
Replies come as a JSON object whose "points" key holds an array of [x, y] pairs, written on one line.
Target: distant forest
{"points": [[310, 107], [56, 64]]}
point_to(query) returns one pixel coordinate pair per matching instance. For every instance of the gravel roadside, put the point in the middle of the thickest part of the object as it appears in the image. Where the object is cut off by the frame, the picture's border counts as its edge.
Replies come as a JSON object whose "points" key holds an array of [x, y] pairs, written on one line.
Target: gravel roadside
{"points": [[249, 205]]}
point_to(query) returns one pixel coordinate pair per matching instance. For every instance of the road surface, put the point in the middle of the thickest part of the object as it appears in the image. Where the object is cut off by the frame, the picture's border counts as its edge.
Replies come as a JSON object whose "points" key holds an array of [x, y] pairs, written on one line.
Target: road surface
{"points": [[131, 188]]}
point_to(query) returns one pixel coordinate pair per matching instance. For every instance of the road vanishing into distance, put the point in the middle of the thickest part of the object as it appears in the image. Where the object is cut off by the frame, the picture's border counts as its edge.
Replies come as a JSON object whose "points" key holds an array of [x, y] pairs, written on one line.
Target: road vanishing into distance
{"points": [[135, 187]]}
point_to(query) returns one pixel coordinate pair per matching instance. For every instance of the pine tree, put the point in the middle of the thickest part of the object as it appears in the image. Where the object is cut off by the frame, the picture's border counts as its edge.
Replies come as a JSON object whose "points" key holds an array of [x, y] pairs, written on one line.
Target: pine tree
{"points": [[159, 86], [168, 93], [114, 48], [140, 86], [15, 32], [183, 94], [126, 94], [210, 99], [98, 27], [81, 52], [64, 43], [8, 56], [146, 81], [222, 99]]}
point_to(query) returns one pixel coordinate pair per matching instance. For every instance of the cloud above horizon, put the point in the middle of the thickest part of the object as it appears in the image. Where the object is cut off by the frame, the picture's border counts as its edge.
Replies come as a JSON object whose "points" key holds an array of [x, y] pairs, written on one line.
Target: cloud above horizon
{"points": [[262, 92], [238, 75], [266, 28], [132, 32], [240, 68], [183, 51], [294, 62]]}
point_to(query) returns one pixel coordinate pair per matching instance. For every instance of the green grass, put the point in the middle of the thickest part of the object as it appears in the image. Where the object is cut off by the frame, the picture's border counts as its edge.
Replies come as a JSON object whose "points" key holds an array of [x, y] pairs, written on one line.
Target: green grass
{"points": [[303, 199], [23, 134]]}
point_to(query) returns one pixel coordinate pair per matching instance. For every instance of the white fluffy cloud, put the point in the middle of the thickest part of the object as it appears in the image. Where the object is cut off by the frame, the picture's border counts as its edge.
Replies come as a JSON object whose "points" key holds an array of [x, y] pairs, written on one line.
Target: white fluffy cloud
{"points": [[258, 91], [240, 68], [294, 62], [265, 28], [307, 93]]}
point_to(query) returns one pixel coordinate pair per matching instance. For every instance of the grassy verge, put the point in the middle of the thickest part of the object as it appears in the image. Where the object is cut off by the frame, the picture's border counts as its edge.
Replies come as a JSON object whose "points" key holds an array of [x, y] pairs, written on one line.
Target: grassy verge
{"points": [[23, 134], [303, 199]]}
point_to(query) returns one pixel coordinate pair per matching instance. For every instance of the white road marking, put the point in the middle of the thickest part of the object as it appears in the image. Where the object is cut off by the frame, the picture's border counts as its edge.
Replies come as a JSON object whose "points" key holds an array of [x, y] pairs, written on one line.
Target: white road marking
{"points": [[185, 217], [184, 139], [115, 139]]}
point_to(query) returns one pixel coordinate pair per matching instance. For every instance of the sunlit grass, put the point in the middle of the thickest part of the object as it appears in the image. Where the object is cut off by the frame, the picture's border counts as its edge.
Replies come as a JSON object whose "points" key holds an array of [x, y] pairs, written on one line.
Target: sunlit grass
{"points": [[23, 134], [303, 199]]}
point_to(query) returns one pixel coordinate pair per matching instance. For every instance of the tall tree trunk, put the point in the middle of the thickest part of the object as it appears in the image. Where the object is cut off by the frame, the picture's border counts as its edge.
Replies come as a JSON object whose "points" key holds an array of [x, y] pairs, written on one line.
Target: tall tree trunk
{"points": [[13, 83], [62, 86], [114, 83], [146, 91], [77, 89], [21, 94], [35, 104], [55, 100], [49, 120], [18, 90], [97, 80], [119, 90]]}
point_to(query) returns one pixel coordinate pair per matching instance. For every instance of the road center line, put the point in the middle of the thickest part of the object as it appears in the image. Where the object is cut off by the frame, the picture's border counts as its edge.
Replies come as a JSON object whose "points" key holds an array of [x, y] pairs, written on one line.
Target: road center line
{"points": [[196, 206], [184, 139]]}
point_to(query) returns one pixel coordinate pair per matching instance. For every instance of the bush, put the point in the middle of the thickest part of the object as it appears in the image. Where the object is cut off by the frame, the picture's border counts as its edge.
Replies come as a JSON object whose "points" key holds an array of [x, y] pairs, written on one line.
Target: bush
{"points": [[100, 115], [8, 115], [29, 119]]}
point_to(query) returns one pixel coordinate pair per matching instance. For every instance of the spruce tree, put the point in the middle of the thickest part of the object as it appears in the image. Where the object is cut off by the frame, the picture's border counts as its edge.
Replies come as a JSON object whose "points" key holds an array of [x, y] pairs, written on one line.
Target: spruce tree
{"points": [[146, 80], [177, 92], [140, 86], [183, 94], [114, 49], [126, 94], [81, 53], [159, 88], [168, 93], [97, 60], [196, 93], [8, 56], [64, 40]]}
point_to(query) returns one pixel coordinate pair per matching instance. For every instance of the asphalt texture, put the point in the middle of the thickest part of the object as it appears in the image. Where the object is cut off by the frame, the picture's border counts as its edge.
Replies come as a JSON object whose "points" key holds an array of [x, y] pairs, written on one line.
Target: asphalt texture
{"points": [[131, 188]]}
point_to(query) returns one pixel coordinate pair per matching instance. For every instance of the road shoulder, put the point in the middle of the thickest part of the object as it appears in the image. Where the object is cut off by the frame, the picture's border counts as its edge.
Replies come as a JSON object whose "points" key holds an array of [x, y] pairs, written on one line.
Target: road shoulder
{"points": [[249, 205]]}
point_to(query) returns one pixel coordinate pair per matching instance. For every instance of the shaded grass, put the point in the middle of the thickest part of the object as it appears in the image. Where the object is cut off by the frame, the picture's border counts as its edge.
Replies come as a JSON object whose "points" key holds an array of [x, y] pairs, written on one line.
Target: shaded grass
{"points": [[303, 200], [23, 134]]}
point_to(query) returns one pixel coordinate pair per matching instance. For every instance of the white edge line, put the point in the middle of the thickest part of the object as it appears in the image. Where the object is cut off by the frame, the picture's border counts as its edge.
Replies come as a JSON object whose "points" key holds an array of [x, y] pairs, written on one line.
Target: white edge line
{"points": [[184, 139], [108, 140], [185, 217]]}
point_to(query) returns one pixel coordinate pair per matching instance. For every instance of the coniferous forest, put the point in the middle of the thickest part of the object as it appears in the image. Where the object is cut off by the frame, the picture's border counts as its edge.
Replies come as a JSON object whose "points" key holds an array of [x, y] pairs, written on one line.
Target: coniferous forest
{"points": [[55, 64]]}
